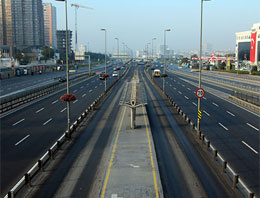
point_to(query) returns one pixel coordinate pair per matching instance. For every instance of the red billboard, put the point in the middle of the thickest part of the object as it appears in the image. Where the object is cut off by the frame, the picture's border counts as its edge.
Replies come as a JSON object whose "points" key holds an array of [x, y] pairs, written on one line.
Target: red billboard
{"points": [[253, 47]]}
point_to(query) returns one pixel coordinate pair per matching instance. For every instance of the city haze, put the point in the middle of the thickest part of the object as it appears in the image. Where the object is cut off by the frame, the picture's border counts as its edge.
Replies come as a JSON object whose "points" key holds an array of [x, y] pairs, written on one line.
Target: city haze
{"points": [[136, 22]]}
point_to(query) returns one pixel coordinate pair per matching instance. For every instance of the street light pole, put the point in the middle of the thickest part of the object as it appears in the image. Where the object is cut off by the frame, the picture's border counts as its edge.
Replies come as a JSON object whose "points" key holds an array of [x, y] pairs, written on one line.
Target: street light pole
{"points": [[164, 59], [152, 48], [117, 53], [89, 71], [200, 65], [105, 58]]}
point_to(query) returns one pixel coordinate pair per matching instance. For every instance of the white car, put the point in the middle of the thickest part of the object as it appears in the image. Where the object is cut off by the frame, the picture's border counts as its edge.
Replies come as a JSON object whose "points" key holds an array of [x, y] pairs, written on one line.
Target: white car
{"points": [[115, 74]]}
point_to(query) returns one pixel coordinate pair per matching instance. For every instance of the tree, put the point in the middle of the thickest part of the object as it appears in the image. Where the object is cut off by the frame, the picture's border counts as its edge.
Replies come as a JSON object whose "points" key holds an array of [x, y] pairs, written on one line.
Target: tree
{"points": [[47, 52], [184, 60]]}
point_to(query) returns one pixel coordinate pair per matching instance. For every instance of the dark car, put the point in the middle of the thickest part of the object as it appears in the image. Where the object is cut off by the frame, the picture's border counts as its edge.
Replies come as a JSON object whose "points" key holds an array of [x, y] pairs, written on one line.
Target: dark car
{"points": [[62, 79]]}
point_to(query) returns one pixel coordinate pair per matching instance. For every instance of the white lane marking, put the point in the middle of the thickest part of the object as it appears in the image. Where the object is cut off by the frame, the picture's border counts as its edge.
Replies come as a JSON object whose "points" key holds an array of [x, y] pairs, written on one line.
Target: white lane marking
{"points": [[188, 88], [230, 113], [47, 121], [134, 166], [170, 85], [174, 80], [252, 126], [223, 126], [194, 103], [83, 95], [186, 97], [54, 101], [87, 84], [63, 109], [75, 101], [194, 92], [19, 122], [250, 147], [174, 88], [92, 81], [21, 140], [90, 90], [183, 85], [100, 83], [95, 87], [204, 98], [75, 91], [178, 82], [206, 113], [81, 87], [179, 92], [215, 104], [39, 110]]}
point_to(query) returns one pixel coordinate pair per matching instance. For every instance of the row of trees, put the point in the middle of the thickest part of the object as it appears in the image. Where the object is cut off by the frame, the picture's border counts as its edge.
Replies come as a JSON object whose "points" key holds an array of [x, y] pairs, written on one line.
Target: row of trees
{"points": [[27, 55]]}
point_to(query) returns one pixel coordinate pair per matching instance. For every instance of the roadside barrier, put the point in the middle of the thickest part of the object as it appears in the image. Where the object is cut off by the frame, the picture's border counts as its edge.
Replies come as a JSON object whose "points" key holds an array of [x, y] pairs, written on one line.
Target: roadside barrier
{"points": [[10, 102], [226, 168], [49, 154]]}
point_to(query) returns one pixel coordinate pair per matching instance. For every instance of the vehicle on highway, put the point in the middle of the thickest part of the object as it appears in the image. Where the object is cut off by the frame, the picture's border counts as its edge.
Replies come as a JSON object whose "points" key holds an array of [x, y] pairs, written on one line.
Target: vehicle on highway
{"points": [[102, 76], [115, 74], [156, 73], [62, 79], [194, 70]]}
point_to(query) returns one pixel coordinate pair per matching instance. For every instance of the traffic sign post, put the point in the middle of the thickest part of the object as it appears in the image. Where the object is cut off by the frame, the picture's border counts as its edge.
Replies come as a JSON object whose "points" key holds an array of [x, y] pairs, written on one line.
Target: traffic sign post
{"points": [[200, 93]]}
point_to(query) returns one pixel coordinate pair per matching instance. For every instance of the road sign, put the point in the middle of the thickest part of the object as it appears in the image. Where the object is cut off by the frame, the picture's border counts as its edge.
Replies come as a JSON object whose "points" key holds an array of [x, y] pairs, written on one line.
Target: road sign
{"points": [[200, 93], [199, 114]]}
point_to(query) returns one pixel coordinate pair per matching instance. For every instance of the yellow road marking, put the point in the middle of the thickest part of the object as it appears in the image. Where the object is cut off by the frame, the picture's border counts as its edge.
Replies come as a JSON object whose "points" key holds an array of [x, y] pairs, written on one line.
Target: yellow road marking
{"points": [[151, 157], [112, 156]]}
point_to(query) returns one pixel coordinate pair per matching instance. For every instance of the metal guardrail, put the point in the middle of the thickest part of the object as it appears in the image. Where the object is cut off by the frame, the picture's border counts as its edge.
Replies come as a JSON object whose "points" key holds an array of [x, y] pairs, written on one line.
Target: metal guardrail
{"points": [[224, 83], [49, 154], [226, 168], [248, 97], [10, 102]]}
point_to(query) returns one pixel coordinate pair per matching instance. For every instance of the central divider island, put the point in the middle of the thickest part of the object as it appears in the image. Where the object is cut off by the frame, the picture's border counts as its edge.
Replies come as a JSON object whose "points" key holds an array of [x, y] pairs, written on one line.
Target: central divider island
{"points": [[132, 169]]}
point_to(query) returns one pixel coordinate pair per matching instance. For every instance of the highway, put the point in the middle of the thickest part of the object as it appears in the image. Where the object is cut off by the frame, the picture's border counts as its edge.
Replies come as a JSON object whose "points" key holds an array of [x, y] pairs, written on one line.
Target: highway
{"points": [[81, 168], [22, 83], [28, 132], [234, 131]]}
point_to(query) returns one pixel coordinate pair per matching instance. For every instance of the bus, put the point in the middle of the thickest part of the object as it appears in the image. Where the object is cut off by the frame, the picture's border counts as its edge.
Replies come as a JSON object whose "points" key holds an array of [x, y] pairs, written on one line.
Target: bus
{"points": [[156, 73]]}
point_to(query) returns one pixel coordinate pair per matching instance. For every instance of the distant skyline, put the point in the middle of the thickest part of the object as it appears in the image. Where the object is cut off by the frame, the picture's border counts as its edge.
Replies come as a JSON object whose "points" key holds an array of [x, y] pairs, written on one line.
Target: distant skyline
{"points": [[136, 22]]}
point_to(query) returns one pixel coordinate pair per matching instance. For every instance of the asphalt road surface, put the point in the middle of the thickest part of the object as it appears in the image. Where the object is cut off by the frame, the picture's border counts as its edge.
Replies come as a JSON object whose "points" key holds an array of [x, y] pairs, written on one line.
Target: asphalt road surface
{"points": [[233, 130], [29, 131]]}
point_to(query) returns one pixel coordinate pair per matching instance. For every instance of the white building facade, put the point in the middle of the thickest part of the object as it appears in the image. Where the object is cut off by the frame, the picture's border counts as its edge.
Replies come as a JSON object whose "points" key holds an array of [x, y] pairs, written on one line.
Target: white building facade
{"points": [[248, 45]]}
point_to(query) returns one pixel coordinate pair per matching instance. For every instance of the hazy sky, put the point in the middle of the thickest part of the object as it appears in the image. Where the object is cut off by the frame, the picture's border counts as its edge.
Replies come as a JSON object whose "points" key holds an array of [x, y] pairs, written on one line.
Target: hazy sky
{"points": [[136, 22]]}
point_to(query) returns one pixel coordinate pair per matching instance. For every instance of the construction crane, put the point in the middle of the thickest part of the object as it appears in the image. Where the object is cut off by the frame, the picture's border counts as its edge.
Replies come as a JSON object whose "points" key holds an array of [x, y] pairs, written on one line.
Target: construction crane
{"points": [[77, 6]]}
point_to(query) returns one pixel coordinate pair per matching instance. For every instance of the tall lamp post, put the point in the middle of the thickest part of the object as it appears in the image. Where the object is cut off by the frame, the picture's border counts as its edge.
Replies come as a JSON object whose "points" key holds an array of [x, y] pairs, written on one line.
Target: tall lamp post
{"points": [[89, 70], [105, 58], [200, 65], [67, 69], [164, 58], [117, 53], [152, 47]]}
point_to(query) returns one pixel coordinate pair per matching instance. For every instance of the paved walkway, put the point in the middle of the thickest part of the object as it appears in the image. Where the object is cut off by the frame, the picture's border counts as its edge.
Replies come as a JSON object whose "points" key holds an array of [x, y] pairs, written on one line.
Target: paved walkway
{"points": [[132, 169]]}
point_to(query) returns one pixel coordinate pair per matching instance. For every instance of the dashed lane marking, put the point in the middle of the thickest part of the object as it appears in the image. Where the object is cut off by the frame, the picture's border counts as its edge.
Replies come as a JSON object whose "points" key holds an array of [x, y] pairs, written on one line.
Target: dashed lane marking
{"points": [[250, 147], [215, 104], [19, 122], [223, 126], [21, 140], [252, 126], [63, 109], [54, 101], [47, 121], [39, 110], [230, 113]]}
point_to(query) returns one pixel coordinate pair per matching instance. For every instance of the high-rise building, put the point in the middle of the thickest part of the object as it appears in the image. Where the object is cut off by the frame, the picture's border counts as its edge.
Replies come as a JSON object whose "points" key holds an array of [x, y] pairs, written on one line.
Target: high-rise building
{"points": [[61, 41], [5, 23], [50, 25], [21, 23]]}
